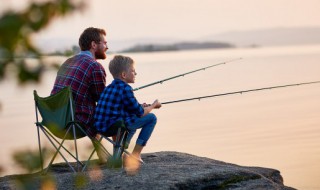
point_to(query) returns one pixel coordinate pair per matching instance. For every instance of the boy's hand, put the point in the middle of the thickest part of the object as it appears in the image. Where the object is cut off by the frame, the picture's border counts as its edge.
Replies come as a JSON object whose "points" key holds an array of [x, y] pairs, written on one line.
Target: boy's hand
{"points": [[148, 108], [145, 105], [156, 104]]}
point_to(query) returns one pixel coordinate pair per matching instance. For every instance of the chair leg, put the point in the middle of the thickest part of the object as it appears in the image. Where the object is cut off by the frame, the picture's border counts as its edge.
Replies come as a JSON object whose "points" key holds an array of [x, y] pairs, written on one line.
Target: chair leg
{"points": [[118, 149], [75, 145], [115, 161], [58, 151], [64, 148], [97, 143], [124, 141], [40, 151], [94, 150]]}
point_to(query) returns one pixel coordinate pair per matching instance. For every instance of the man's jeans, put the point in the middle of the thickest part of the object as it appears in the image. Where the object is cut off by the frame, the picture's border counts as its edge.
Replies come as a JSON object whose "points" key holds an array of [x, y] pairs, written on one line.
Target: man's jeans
{"points": [[147, 123]]}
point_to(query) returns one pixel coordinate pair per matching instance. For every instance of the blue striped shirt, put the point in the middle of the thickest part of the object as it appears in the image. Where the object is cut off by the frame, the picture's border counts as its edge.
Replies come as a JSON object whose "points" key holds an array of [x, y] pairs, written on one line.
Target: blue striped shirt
{"points": [[116, 102]]}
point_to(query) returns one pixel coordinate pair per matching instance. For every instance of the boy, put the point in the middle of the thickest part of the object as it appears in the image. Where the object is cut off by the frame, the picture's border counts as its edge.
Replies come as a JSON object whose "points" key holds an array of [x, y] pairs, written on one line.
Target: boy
{"points": [[117, 102]]}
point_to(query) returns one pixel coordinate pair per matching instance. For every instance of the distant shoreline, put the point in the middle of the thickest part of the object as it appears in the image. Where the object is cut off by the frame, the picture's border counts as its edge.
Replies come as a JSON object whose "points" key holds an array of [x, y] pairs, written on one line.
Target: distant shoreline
{"points": [[155, 47], [177, 46]]}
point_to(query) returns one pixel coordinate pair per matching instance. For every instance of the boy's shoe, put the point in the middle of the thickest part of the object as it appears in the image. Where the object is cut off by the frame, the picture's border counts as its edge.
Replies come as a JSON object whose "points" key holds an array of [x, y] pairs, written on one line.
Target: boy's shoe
{"points": [[132, 165]]}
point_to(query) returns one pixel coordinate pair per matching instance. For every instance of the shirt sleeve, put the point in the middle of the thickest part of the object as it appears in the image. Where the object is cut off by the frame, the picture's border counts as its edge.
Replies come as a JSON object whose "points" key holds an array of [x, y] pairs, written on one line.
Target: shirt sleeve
{"points": [[98, 81], [131, 105]]}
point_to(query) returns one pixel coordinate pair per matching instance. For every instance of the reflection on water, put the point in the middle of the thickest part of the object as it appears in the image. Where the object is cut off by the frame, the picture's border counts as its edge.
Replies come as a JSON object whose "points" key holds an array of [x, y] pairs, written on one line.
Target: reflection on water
{"points": [[274, 128]]}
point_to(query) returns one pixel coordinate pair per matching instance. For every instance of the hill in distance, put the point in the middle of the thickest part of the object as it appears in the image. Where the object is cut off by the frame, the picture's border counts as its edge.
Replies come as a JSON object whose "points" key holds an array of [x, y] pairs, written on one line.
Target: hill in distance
{"points": [[177, 46]]}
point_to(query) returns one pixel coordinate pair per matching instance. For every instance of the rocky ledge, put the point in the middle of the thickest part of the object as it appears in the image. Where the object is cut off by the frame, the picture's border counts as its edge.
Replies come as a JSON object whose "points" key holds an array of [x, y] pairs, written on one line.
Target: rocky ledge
{"points": [[162, 170]]}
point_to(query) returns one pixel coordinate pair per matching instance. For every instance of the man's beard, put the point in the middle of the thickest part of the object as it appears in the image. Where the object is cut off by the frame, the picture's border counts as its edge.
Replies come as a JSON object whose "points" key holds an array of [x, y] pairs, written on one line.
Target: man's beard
{"points": [[100, 54]]}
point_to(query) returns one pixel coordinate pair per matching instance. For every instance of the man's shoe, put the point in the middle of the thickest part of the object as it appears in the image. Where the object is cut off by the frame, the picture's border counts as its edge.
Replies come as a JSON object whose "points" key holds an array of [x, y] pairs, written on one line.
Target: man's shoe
{"points": [[102, 156]]}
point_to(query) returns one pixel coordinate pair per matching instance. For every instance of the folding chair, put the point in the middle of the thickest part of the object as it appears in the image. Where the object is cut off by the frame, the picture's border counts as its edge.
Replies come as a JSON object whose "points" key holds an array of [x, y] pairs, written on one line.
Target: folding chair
{"points": [[58, 120], [120, 131], [120, 145]]}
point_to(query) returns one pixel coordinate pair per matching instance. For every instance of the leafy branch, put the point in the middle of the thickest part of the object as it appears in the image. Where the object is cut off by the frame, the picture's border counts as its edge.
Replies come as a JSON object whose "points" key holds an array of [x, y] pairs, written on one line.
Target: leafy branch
{"points": [[16, 29]]}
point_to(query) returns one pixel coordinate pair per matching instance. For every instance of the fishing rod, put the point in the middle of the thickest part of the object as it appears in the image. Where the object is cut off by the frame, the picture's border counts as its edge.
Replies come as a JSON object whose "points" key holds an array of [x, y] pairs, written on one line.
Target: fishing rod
{"points": [[183, 74], [239, 92]]}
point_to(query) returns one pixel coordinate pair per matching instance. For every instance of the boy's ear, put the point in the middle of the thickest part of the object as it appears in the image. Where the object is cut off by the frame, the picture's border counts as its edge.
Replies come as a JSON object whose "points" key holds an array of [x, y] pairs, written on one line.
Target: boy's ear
{"points": [[123, 75]]}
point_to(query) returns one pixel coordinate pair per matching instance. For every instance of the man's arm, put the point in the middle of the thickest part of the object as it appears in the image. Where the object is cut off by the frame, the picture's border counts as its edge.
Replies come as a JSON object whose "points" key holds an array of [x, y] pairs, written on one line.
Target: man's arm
{"points": [[98, 82]]}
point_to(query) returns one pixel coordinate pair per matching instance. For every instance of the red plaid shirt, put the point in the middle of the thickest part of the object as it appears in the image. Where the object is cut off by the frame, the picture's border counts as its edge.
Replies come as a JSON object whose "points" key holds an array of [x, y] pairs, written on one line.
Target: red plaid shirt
{"points": [[87, 79]]}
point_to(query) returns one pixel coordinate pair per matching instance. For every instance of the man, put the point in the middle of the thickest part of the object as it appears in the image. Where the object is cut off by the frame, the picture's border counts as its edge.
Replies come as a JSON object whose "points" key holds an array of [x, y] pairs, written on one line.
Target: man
{"points": [[85, 76]]}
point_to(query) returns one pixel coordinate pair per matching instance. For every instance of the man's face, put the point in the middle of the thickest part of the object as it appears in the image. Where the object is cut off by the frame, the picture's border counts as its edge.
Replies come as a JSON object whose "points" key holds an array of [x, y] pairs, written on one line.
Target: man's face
{"points": [[102, 47]]}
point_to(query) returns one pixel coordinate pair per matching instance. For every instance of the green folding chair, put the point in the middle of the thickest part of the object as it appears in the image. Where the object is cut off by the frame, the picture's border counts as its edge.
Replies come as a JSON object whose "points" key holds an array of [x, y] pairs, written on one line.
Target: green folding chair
{"points": [[58, 121], [119, 130]]}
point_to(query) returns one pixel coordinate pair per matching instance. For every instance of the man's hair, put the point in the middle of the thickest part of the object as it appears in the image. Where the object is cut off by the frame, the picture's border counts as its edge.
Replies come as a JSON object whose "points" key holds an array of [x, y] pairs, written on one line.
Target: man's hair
{"points": [[119, 64], [88, 35]]}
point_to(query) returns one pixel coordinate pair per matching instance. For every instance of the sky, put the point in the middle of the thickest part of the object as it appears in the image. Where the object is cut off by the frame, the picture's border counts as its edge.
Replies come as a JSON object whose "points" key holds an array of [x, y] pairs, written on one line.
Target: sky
{"points": [[178, 19]]}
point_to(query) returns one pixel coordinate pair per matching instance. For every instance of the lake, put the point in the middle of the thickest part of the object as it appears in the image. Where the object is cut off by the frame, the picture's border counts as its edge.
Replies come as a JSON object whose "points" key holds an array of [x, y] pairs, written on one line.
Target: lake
{"points": [[277, 128]]}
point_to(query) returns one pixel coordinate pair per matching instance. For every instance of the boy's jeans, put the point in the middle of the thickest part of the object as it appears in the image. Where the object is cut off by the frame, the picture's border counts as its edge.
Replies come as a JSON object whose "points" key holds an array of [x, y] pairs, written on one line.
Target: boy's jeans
{"points": [[147, 123]]}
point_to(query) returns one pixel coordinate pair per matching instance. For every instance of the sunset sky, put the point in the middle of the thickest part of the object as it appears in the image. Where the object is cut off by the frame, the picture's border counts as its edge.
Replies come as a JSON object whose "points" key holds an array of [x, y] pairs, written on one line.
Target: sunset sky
{"points": [[180, 19]]}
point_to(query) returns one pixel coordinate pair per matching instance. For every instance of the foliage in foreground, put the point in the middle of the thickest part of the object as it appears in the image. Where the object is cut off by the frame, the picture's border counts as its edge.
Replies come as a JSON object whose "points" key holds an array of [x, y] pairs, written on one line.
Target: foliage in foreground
{"points": [[16, 30]]}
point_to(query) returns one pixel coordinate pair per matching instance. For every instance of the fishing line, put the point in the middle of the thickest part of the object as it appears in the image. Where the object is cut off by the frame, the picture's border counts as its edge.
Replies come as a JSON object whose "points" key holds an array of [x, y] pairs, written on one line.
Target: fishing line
{"points": [[187, 73], [239, 92]]}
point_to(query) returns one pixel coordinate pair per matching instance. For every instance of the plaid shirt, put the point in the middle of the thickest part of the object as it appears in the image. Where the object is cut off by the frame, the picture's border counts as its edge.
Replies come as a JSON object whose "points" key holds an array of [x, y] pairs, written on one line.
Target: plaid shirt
{"points": [[87, 79], [117, 102]]}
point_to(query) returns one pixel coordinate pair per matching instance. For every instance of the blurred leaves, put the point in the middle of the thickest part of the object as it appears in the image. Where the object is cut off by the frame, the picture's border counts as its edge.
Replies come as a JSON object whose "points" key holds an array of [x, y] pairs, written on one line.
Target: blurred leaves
{"points": [[81, 180], [30, 160], [16, 29], [31, 182]]}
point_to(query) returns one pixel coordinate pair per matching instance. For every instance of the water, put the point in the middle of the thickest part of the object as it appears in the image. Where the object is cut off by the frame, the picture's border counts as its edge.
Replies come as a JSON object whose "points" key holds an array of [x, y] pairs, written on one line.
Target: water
{"points": [[274, 128]]}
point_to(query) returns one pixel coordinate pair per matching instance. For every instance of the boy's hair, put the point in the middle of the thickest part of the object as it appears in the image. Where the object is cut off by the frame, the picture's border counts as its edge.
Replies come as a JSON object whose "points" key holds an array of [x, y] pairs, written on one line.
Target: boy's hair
{"points": [[88, 35], [119, 64]]}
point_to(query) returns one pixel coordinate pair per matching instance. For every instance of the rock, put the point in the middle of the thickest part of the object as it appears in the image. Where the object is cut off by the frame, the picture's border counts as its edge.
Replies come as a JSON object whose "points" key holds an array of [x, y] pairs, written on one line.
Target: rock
{"points": [[162, 170]]}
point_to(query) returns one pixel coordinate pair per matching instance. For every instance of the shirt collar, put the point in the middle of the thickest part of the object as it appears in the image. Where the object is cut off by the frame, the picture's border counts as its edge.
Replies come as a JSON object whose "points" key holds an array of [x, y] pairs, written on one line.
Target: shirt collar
{"points": [[88, 53], [120, 81]]}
